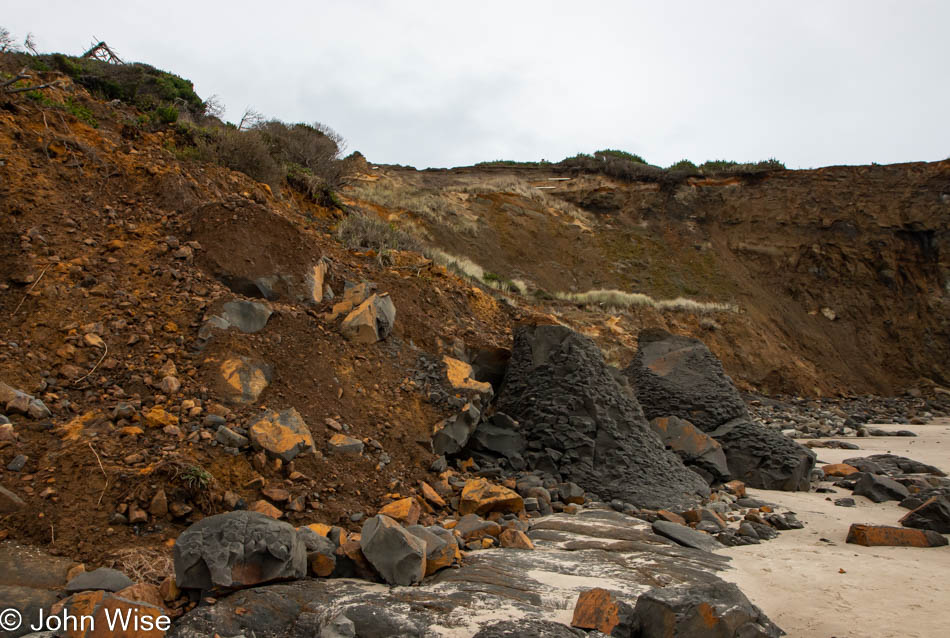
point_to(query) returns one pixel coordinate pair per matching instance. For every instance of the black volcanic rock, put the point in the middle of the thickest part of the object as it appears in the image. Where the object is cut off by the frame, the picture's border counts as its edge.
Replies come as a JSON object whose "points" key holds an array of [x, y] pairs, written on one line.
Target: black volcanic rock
{"points": [[579, 421], [677, 375]]}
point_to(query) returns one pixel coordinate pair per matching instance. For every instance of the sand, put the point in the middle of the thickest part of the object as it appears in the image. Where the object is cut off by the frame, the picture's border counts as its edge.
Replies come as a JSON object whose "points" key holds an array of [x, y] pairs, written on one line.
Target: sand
{"points": [[814, 588]]}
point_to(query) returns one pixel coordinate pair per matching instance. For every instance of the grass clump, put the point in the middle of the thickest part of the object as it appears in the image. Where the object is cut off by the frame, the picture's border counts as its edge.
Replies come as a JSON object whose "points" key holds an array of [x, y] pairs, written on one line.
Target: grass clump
{"points": [[365, 232], [619, 299]]}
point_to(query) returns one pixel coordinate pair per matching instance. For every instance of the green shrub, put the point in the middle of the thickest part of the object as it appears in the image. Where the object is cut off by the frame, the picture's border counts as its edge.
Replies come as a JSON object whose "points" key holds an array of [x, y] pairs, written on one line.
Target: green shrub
{"points": [[166, 114], [244, 151], [684, 166], [80, 112], [609, 153]]}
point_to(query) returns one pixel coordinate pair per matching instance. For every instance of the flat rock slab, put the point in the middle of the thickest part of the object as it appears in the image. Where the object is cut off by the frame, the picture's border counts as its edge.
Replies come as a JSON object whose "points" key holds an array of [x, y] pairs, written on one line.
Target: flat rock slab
{"points": [[882, 535], [892, 465], [687, 536], [103, 578], [496, 591]]}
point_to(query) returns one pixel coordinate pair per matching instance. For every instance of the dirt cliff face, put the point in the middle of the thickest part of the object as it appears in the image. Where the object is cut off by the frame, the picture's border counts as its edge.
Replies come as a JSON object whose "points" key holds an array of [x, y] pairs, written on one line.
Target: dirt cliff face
{"points": [[841, 274]]}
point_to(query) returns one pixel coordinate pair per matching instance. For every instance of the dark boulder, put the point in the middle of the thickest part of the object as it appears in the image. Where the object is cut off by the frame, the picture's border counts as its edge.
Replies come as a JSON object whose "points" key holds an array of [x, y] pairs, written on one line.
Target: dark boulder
{"points": [[701, 611], [103, 578], [933, 514], [685, 536], [763, 458], [880, 488], [892, 465], [678, 375], [581, 423], [398, 555], [238, 549]]}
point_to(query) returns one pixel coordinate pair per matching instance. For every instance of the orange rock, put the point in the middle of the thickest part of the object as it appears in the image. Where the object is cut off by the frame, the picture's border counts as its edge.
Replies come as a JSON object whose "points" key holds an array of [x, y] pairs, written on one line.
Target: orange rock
{"points": [[446, 557], [321, 565], [461, 376], [449, 524], [169, 589], [266, 509], [596, 609], [405, 511], [74, 571], [736, 488], [515, 538], [429, 493], [131, 619], [320, 529], [487, 542], [667, 515], [142, 592], [467, 464], [156, 417], [838, 469], [877, 535], [480, 497]]}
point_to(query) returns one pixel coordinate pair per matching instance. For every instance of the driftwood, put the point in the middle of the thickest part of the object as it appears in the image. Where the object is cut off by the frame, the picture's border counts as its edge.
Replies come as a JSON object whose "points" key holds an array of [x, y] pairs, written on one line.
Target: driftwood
{"points": [[101, 51], [5, 86]]}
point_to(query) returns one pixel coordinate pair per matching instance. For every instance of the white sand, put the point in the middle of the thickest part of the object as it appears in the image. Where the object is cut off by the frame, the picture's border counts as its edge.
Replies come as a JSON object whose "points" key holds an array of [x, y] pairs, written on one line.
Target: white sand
{"points": [[884, 592]]}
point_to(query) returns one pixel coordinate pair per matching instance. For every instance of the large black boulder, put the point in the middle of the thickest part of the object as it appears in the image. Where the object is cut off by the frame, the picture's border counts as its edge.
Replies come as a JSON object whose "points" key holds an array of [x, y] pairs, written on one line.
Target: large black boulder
{"points": [[702, 611], [764, 458], [677, 375], [934, 515], [238, 549], [579, 421]]}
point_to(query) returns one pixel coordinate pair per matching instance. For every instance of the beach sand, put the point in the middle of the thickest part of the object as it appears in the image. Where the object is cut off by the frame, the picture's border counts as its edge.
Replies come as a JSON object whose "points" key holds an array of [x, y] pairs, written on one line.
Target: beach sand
{"points": [[883, 591]]}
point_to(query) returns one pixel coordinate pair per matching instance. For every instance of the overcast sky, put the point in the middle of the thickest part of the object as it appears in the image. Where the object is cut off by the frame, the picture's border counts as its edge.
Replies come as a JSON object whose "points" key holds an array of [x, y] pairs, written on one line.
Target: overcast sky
{"points": [[439, 84]]}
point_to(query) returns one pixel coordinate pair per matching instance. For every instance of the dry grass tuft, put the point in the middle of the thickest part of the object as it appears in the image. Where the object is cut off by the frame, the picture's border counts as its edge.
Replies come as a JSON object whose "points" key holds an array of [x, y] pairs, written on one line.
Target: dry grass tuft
{"points": [[619, 299], [145, 565]]}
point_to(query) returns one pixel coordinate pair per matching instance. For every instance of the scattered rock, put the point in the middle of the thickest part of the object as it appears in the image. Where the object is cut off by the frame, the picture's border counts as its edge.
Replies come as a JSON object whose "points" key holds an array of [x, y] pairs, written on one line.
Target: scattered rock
{"points": [[342, 444], [237, 549], [406, 511], [283, 434], [516, 539], [243, 379], [321, 552], [845, 502], [838, 469], [598, 609], [229, 438], [686, 537], [892, 465], [398, 556], [882, 535], [371, 321], [451, 435], [481, 497], [246, 316], [103, 578]]}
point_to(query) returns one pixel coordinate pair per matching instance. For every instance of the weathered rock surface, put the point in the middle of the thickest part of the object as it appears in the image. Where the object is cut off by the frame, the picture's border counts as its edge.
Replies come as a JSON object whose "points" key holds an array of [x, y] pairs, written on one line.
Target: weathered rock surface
{"points": [[686, 536], [677, 375], [371, 321], [30, 581], [243, 379], [880, 488], [238, 549], [581, 423], [764, 458], [691, 444], [877, 535], [398, 555], [103, 578], [934, 515], [892, 465], [9, 501], [481, 497], [246, 316], [701, 611], [450, 435], [496, 591], [283, 434]]}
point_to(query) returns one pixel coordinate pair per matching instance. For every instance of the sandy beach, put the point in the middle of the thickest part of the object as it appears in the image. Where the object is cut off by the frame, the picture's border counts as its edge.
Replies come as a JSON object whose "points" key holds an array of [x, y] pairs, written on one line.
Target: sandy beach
{"points": [[815, 588]]}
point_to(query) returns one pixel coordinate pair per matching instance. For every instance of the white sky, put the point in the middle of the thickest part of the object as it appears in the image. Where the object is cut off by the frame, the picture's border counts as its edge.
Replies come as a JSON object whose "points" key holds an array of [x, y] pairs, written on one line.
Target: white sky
{"points": [[438, 84]]}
